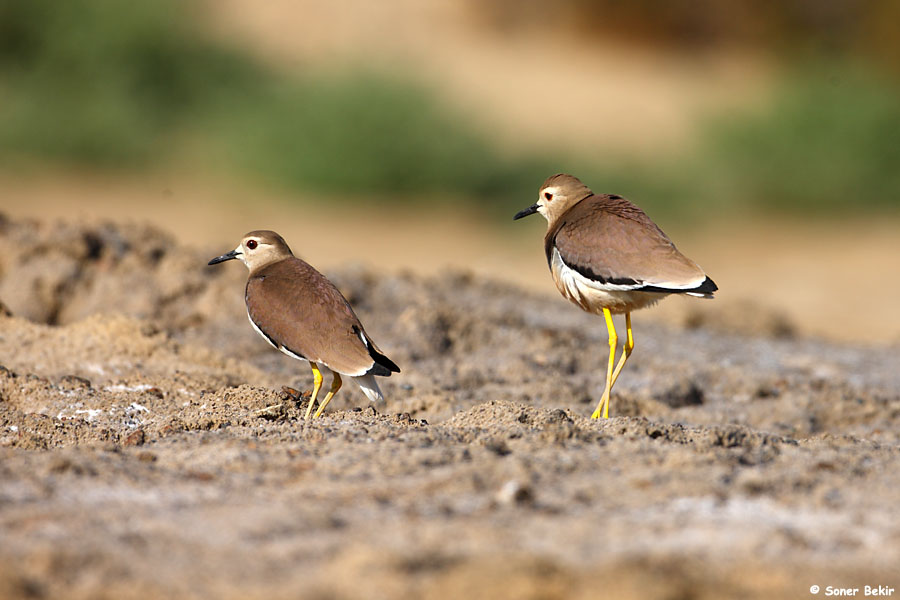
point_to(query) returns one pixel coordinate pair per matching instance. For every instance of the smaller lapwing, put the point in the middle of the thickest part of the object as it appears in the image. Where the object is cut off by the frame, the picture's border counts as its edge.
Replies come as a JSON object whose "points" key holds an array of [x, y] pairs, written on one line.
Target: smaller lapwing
{"points": [[297, 310], [608, 257]]}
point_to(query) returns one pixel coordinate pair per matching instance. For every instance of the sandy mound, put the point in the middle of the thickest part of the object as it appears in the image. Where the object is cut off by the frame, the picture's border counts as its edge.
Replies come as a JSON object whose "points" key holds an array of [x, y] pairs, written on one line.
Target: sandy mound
{"points": [[147, 450]]}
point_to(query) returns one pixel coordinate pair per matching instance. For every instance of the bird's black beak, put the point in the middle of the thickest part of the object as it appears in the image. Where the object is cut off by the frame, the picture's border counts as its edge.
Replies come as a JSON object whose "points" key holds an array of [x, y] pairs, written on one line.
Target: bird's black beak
{"points": [[227, 256], [528, 211]]}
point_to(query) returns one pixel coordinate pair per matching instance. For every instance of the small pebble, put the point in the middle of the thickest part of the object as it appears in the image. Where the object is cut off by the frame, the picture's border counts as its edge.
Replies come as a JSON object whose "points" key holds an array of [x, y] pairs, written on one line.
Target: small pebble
{"points": [[515, 493], [135, 438]]}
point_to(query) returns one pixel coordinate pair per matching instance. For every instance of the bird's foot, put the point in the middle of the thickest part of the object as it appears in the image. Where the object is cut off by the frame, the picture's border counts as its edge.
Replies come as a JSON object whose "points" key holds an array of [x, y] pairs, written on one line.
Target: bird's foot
{"points": [[602, 411]]}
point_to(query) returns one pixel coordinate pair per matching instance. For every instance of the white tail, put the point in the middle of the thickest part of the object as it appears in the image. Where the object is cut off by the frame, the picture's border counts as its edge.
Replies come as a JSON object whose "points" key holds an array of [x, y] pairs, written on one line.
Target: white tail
{"points": [[369, 387]]}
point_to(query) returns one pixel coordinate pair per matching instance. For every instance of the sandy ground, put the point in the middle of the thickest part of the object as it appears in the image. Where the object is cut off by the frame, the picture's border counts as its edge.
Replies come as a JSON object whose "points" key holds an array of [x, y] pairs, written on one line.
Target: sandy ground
{"points": [[147, 451]]}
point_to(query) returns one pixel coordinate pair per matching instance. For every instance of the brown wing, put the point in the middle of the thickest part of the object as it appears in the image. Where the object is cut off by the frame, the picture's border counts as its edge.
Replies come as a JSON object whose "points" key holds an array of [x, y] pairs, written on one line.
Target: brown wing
{"points": [[611, 241], [297, 308]]}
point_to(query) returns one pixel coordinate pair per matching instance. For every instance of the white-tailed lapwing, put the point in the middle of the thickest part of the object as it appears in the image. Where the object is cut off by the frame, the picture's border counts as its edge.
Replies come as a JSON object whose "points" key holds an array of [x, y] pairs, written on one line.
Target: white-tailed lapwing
{"points": [[608, 257], [297, 310]]}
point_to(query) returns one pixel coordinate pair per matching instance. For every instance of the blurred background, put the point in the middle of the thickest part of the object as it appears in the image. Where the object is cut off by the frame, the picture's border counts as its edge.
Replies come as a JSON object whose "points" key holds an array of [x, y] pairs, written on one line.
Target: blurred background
{"points": [[762, 135]]}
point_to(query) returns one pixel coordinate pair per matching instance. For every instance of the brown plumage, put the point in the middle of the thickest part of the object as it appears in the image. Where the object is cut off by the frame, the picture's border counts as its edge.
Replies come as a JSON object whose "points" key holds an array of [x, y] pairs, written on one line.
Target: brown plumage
{"points": [[608, 257], [289, 300], [609, 240], [297, 310]]}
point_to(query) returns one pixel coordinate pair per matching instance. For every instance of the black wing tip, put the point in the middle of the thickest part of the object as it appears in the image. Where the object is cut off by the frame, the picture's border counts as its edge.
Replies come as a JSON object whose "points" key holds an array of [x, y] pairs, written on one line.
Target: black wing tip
{"points": [[707, 287], [383, 366], [387, 363]]}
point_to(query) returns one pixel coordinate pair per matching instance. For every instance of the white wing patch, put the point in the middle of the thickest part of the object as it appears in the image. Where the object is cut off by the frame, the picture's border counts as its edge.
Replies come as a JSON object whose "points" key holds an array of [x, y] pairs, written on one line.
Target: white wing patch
{"points": [[568, 273], [593, 296], [572, 279], [682, 286]]}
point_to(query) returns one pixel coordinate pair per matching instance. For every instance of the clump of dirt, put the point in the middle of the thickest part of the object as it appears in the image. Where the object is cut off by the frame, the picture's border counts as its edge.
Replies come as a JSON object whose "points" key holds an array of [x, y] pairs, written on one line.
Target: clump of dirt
{"points": [[150, 448]]}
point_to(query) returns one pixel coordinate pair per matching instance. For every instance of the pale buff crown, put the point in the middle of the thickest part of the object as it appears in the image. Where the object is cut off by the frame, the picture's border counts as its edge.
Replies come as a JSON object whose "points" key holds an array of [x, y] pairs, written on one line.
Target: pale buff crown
{"points": [[558, 194]]}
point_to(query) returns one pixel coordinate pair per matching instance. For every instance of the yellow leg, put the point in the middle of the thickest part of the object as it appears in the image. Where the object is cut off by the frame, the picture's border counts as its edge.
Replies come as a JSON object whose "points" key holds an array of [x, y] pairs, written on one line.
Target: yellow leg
{"points": [[317, 385], [627, 348], [613, 340], [335, 386]]}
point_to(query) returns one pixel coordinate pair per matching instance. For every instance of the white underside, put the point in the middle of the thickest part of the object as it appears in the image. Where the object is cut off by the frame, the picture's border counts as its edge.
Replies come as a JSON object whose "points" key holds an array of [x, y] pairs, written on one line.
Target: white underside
{"points": [[366, 382], [369, 387], [594, 296]]}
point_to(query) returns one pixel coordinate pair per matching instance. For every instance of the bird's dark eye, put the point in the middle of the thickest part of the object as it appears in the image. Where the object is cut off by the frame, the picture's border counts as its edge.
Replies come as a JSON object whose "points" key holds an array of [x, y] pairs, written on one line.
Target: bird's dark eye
{"points": [[548, 196], [252, 244]]}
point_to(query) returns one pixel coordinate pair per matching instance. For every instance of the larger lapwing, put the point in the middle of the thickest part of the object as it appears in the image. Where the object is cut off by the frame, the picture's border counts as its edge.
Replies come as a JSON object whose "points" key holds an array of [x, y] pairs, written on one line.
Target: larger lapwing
{"points": [[297, 310], [608, 257]]}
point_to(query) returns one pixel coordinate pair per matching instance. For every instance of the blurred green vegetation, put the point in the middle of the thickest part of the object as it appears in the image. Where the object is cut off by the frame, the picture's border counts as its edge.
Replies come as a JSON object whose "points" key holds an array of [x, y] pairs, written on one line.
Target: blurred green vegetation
{"points": [[825, 144], [829, 140], [101, 84], [360, 133]]}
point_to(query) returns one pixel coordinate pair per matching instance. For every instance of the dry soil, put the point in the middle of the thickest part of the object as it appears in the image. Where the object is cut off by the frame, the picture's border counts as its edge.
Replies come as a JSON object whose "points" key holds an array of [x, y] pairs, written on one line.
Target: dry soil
{"points": [[147, 449]]}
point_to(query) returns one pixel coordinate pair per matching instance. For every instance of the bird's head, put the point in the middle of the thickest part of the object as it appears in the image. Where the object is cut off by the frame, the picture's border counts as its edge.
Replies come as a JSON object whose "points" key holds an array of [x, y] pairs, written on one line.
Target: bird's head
{"points": [[558, 194], [257, 249]]}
